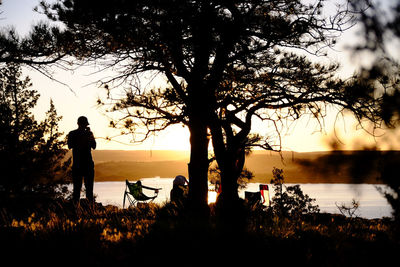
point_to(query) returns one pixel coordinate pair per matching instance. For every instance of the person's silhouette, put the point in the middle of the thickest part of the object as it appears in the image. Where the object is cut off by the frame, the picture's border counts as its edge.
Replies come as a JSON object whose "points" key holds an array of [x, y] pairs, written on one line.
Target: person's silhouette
{"points": [[82, 141], [179, 189]]}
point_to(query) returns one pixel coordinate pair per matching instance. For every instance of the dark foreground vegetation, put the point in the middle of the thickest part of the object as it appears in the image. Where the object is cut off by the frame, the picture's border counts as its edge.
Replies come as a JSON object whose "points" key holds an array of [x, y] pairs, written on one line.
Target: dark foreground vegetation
{"points": [[58, 234]]}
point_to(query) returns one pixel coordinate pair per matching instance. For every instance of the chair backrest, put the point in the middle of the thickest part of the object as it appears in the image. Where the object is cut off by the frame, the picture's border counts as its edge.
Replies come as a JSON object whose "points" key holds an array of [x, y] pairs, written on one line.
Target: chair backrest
{"points": [[135, 189], [264, 190]]}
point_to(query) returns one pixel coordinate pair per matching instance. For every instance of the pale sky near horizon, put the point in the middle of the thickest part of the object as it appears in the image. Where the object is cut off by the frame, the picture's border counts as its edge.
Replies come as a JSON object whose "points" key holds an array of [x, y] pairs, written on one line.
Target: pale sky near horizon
{"points": [[304, 136]]}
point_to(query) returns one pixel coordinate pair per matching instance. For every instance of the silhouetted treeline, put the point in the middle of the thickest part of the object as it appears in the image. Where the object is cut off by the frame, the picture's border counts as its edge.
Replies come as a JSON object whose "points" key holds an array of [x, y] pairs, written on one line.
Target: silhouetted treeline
{"points": [[31, 152]]}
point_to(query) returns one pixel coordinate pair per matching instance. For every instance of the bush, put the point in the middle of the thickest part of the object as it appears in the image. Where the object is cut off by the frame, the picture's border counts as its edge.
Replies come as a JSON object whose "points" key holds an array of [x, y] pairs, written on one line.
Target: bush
{"points": [[291, 202]]}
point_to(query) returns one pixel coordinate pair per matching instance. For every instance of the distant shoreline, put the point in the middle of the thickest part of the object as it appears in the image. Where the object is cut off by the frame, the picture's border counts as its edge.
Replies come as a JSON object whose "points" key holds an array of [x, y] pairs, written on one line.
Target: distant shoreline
{"points": [[299, 167], [252, 181]]}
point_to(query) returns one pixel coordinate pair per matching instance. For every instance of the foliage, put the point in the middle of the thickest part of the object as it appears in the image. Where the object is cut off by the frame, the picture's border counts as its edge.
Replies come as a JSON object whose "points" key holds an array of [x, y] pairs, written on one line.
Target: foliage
{"points": [[31, 152], [41, 47], [380, 32], [290, 201], [110, 236]]}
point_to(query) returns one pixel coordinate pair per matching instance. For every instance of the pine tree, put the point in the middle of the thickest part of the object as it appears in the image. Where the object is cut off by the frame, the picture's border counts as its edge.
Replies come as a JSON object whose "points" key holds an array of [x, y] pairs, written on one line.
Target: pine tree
{"points": [[31, 152]]}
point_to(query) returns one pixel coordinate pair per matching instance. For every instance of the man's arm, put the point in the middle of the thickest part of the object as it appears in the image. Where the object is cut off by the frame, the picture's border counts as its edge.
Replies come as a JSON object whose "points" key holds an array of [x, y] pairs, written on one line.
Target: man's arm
{"points": [[70, 140], [94, 143], [92, 140]]}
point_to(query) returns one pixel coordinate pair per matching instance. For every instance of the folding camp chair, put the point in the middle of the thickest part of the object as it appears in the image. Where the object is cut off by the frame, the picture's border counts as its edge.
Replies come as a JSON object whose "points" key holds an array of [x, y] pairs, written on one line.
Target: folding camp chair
{"points": [[134, 193]]}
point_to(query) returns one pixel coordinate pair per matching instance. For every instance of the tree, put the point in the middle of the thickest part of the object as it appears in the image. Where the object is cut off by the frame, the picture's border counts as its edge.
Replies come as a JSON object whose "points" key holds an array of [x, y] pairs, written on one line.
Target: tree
{"points": [[215, 55], [31, 152]]}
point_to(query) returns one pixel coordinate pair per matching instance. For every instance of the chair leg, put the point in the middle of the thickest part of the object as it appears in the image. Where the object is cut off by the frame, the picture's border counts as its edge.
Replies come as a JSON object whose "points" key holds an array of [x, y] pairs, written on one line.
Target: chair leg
{"points": [[123, 203], [132, 201]]}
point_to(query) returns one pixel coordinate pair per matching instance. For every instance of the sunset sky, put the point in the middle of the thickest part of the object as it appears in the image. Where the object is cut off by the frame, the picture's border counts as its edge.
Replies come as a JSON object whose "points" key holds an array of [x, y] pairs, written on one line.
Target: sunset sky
{"points": [[304, 135]]}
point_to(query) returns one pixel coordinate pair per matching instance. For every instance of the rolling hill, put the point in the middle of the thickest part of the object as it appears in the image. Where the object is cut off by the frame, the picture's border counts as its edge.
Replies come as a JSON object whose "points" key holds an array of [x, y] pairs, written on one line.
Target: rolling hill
{"points": [[309, 167]]}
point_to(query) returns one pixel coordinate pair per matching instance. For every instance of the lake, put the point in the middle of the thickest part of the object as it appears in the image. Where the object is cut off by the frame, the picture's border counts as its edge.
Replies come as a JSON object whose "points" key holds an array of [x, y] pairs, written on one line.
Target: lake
{"points": [[372, 203]]}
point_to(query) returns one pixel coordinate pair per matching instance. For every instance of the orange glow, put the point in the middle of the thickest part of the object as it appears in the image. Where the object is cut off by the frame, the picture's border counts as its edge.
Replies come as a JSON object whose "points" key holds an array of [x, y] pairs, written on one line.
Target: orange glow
{"points": [[212, 197]]}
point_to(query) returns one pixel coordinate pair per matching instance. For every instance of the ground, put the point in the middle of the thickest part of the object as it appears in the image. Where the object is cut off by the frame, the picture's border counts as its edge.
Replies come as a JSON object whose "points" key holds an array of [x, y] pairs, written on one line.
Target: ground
{"points": [[59, 233]]}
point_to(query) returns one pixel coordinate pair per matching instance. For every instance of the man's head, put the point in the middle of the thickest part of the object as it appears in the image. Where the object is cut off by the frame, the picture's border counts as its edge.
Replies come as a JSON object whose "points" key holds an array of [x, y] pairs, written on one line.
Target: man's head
{"points": [[83, 122]]}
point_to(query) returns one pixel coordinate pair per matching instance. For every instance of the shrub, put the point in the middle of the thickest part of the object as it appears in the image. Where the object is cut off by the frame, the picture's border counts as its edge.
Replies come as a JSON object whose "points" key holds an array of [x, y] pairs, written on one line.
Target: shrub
{"points": [[290, 200]]}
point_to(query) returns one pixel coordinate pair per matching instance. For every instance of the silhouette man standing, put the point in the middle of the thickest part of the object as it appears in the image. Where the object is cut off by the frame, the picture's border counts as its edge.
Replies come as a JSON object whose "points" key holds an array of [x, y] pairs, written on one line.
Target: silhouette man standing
{"points": [[82, 141]]}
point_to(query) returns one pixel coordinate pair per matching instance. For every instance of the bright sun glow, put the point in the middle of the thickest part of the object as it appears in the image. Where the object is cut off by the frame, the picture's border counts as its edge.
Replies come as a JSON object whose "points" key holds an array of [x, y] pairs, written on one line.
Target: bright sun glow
{"points": [[212, 197]]}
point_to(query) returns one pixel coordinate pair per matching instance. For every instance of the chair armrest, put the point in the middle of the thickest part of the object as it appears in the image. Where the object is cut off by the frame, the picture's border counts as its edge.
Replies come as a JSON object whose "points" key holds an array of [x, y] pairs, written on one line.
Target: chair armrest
{"points": [[151, 188]]}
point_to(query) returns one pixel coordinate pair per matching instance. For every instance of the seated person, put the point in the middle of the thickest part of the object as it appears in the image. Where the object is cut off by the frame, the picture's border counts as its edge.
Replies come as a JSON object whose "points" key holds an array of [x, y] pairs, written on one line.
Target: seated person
{"points": [[179, 189]]}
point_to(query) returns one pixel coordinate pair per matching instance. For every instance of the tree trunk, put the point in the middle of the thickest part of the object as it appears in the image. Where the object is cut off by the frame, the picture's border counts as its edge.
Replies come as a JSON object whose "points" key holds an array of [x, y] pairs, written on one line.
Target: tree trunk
{"points": [[198, 166], [230, 207], [199, 163], [229, 194]]}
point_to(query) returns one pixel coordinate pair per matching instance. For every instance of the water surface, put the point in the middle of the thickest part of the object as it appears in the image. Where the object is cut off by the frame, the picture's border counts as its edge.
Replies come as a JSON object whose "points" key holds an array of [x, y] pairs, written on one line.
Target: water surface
{"points": [[372, 203]]}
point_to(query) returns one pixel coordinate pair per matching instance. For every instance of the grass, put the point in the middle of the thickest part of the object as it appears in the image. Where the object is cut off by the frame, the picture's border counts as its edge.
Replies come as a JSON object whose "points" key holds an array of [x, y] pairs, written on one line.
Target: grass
{"points": [[58, 233]]}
